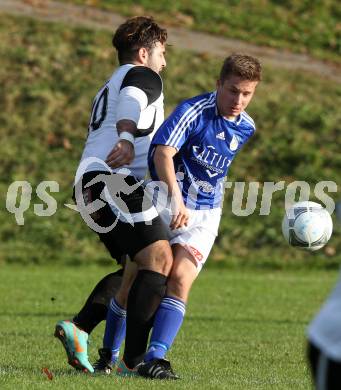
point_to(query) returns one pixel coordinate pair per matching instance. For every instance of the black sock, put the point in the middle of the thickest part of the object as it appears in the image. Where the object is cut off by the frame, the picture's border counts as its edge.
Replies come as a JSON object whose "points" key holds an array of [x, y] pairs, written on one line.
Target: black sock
{"points": [[95, 309], [144, 298]]}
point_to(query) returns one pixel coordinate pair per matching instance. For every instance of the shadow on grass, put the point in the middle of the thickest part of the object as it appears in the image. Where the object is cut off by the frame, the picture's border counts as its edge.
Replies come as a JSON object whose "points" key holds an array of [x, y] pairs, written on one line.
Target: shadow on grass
{"points": [[15, 370], [246, 320], [55, 314]]}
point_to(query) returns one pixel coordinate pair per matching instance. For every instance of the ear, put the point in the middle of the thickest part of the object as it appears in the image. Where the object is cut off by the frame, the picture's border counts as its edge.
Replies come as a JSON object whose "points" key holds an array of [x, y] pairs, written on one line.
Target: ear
{"points": [[218, 84], [143, 55]]}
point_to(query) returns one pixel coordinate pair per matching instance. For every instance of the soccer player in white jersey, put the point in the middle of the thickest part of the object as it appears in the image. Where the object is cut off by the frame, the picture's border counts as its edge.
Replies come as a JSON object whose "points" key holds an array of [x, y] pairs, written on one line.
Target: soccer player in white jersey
{"points": [[191, 152], [324, 339], [126, 112], [196, 143]]}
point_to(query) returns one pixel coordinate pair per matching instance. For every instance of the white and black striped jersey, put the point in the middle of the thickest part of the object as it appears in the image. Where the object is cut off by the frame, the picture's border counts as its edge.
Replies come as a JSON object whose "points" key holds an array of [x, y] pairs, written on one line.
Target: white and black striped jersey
{"points": [[134, 93]]}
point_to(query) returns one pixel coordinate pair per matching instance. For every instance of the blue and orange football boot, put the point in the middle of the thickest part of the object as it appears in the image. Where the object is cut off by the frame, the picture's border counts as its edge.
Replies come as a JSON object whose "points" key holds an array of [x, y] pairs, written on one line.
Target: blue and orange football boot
{"points": [[75, 343]]}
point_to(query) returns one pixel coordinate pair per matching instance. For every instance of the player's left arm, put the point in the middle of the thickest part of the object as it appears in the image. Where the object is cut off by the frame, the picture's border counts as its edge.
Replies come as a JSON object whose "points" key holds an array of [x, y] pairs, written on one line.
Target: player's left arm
{"points": [[163, 160]]}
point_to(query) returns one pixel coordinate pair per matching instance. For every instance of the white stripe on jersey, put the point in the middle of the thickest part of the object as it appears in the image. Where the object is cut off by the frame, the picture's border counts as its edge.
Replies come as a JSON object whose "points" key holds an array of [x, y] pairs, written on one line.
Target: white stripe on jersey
{"points": [[248, 119], [248, 116], [188, 117], [183, 118], [130, 102]]}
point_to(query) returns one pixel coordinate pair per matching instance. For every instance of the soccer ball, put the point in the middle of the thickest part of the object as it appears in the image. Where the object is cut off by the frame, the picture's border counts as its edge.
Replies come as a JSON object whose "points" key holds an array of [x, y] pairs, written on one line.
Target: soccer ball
{"points": [[307, 225]]}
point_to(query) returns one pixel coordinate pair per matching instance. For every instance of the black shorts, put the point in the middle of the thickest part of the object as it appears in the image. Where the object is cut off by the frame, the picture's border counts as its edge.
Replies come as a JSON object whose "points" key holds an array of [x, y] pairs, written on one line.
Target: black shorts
{"points": [[326, 372], [126, 221]]}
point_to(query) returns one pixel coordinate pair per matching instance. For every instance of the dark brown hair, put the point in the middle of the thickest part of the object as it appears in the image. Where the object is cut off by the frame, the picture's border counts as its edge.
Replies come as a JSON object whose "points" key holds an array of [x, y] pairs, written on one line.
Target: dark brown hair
{"points": [[137, 32], [244, 66]]}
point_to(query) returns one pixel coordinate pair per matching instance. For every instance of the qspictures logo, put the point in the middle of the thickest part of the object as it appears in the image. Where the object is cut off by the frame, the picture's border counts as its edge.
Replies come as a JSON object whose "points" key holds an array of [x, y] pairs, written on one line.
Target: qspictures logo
{"points": [[247, 198]]}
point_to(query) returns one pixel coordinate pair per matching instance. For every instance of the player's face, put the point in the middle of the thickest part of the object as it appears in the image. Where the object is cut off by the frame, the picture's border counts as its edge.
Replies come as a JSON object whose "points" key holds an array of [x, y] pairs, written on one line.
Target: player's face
{"points": [[233, 95], [156, 57]]}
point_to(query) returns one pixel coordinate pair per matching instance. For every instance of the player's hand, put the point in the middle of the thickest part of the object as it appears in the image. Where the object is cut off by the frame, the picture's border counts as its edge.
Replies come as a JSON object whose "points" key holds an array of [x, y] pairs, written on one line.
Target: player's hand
{"points": [[180, 214], [122, 154]]}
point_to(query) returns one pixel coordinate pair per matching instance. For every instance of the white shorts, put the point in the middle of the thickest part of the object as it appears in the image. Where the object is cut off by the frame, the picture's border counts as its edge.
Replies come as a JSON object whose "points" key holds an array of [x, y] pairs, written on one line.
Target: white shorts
{"points": [[198, 237]]}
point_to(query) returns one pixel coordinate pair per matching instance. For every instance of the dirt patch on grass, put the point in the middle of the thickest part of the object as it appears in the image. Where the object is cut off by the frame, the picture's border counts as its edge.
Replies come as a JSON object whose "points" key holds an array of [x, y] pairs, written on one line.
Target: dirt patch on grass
{"points": [[179, 37]]}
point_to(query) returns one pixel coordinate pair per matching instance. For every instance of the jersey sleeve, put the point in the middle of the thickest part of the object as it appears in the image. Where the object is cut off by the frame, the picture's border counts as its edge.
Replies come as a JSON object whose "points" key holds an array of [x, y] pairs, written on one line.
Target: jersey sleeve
{"points": [[247, 129], [140, 87], [177, 127]]}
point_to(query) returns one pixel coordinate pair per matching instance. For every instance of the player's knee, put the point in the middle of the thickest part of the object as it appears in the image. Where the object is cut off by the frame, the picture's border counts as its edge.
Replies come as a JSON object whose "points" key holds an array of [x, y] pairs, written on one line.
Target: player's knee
{"points": [[181, 279], [163, 259], [157, 257]]}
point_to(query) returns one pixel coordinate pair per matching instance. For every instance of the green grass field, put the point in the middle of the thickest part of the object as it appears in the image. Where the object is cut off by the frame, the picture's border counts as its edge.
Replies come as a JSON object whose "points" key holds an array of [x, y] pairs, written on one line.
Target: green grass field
{"points": [[243, 329]]}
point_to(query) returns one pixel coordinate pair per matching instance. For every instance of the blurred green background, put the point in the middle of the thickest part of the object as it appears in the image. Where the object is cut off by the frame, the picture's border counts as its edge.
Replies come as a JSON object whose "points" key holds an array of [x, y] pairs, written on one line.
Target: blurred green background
{"points": [[50, 72]]}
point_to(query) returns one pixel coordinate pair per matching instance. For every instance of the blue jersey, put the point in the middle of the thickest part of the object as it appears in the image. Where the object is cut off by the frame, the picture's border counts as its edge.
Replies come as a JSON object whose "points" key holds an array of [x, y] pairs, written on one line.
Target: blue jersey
{"points": [[207, 144]]}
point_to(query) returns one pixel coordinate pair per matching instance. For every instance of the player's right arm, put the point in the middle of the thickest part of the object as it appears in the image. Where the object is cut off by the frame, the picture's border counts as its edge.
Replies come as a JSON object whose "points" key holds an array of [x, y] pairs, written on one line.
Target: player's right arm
{"points": [[163, 160], [123, 152], [140, 87], [167, 141]]}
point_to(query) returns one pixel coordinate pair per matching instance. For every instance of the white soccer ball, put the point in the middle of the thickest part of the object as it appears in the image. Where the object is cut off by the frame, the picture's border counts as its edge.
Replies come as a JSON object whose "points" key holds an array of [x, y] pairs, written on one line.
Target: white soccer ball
{"points": [[307, 225]]}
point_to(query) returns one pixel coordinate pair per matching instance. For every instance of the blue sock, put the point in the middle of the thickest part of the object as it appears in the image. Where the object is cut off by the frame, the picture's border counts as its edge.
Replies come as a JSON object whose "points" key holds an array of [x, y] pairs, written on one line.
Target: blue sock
{"points": [[115, 328], [167, 323]]}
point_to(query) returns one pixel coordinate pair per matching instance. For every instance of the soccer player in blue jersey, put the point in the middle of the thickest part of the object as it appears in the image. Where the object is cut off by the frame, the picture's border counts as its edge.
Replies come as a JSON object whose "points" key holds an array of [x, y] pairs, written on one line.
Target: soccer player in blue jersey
{"points": [[197, 143], [192, 152]]}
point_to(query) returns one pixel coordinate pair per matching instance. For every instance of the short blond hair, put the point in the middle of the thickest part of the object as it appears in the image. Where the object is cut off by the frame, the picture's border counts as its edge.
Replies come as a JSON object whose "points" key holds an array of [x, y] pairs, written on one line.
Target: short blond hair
{"points": [[244, 66]]}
